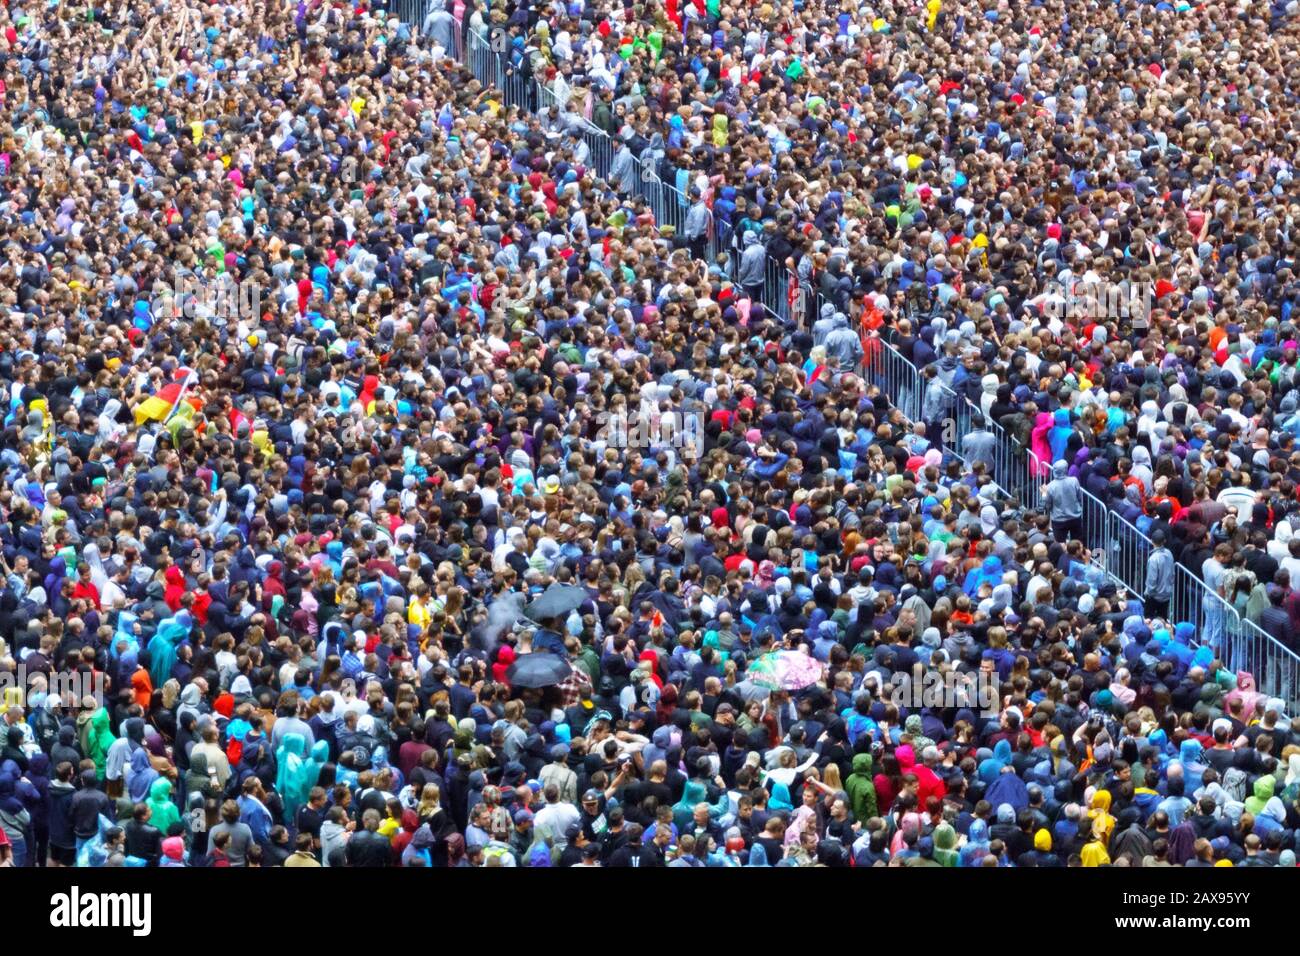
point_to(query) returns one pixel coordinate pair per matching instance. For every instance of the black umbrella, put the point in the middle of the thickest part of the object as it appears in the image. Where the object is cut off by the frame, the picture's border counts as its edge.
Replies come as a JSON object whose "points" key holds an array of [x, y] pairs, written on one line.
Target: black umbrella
{"points": [[556, 601], [538, 670]]}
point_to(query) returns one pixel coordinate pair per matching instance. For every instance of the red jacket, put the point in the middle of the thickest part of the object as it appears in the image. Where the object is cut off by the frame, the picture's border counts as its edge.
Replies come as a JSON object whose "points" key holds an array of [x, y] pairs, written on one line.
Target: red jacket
{"points": [[86, 591], [928, 783], [175, 587], [505, 657]]}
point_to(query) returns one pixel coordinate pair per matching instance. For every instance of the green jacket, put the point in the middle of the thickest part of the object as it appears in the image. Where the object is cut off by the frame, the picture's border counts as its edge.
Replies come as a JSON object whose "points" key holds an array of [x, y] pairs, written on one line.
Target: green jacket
{"points": [[945, 845], [160, 802], [96, 736], [589, 662], [861, 790]]}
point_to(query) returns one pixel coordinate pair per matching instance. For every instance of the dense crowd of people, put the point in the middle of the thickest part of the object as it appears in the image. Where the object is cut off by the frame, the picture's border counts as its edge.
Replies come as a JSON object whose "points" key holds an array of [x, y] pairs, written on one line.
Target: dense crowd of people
{"points": [[319, 548]]}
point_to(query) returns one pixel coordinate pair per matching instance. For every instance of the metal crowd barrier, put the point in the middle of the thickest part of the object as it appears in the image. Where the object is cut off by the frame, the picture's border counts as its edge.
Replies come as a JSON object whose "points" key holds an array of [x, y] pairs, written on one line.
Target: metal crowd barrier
{"points": [[1096, 528], [667, 203], [601, 148], [885, 367], [1128, 551], [1118, 547], [1016, 466], [1123, 552], [1008, 463], [411, 12], [1037, 475], [776, 289], [1250, 649], [1238, 642], [1188, 601], [939, 403]]}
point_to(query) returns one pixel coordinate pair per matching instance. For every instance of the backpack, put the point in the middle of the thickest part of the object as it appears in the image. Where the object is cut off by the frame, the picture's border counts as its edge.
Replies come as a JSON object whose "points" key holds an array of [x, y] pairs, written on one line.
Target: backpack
{"points": [[1236, 784]]}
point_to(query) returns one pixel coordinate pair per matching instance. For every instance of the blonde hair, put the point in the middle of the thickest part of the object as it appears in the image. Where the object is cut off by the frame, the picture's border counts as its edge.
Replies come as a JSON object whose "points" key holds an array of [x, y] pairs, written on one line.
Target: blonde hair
{"points": [[171, 692], [430, 799]]}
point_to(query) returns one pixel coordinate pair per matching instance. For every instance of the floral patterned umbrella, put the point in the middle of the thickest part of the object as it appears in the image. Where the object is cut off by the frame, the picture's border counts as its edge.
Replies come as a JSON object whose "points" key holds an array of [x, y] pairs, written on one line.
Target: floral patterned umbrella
{"points": [[785, 670]]}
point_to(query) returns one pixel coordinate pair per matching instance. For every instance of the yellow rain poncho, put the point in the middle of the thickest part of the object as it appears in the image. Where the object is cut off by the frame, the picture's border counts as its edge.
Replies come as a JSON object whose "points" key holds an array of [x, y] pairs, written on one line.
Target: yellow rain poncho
{"points": [[932, 13], [720, 135]]}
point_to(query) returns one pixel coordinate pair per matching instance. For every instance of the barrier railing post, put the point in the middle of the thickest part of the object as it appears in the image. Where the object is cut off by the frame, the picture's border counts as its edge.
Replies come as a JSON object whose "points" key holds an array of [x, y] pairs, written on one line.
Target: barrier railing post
{"points": [[1128, 551]]}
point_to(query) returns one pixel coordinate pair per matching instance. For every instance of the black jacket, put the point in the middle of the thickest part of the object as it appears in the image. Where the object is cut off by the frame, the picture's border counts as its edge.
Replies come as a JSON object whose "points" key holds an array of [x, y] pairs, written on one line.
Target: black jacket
{"points": [[640, 855], [143, 840], [61, 795], [87, 805], [367, 848]]}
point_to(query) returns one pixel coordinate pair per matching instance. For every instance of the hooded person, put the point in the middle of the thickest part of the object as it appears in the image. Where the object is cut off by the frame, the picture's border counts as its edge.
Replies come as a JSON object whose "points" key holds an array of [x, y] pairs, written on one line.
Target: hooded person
{"points": [[95, 738], [945, 845], [162, 647], [173, 852], [140, 776], [142, 688], [913, 822], [1008, 788], [1040, 444], [989, 572], [164, 812], [915, 727], [292, 771], [419, 850], [94, 851], [1190, 754], [198, 779], [977, 843], [190, 702], [929, 784], [1263, 793], [1244, 693], [1060, 434], [66, 749], [317, 758], [1132, 843], [175, 587], [1182, 844], [693, 794], [1041, 855], [1094, 852], [990, 768], [1141, 470], [1103, 824], [860, 789]]}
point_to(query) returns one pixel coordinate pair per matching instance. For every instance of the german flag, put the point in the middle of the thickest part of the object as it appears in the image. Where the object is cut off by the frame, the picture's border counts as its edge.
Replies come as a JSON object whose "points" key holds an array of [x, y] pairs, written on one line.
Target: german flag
{"points": [[159, 407]]}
